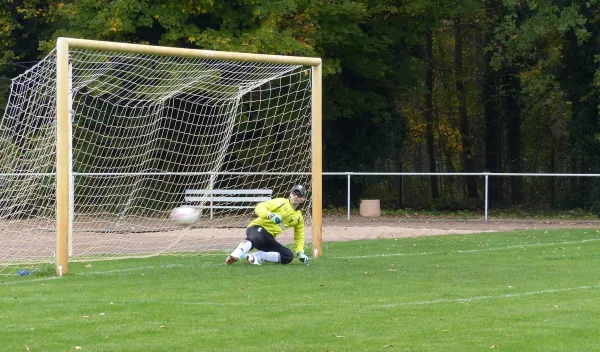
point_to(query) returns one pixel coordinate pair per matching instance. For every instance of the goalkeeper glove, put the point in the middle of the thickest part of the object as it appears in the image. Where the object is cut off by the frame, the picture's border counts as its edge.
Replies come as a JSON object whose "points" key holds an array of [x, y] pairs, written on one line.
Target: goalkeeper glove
{"points": [[277, 219], [303, 258]]}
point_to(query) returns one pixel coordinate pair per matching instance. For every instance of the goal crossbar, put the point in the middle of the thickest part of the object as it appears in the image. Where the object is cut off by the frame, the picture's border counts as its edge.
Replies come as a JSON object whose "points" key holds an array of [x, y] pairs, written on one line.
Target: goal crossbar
{"points": [[190, 53]]}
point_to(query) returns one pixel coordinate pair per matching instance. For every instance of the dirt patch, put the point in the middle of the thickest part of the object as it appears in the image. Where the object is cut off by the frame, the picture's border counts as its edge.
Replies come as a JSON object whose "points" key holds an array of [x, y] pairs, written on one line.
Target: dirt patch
{"points": [[35, 242], [468, 224], [356, 228]]}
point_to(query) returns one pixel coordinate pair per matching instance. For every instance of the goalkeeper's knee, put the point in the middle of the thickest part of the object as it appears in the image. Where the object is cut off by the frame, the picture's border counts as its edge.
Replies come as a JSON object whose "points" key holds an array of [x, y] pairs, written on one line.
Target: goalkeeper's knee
{"points": [[287, 257]]}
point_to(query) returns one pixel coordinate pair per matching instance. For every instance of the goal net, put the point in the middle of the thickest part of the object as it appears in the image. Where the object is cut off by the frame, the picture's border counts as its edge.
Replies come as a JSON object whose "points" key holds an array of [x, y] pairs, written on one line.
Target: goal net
{"points": [[148, 133]]}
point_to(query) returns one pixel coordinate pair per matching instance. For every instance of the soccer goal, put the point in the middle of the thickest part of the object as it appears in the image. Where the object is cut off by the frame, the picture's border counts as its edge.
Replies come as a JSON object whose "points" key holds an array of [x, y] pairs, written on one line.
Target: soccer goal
{"points": [[101, 140]]}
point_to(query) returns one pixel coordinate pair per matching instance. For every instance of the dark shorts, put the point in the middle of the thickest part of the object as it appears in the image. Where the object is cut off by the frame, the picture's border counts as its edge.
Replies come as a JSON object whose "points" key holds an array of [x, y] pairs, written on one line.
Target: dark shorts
{"points": [[262, 240]]}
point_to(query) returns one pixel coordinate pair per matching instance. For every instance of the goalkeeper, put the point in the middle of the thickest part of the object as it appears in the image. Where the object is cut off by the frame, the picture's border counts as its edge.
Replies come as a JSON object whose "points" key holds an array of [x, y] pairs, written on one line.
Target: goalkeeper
{"points": [[274, 216]]}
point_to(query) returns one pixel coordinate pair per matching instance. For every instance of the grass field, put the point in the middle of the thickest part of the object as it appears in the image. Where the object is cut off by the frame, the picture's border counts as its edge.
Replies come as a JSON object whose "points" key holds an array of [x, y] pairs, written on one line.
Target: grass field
{"points": [[514, 291]]}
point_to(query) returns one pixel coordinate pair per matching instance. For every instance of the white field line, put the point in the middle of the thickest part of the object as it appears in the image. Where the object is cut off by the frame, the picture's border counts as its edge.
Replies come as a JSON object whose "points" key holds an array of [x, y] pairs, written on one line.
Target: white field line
{"points": [[140, 268], [484, 298], [388, 305], [470, 250], [30, 280], [108, 272]]}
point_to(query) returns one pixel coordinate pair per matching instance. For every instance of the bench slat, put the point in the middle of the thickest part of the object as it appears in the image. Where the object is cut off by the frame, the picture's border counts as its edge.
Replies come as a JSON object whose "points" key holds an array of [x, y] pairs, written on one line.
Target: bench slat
{"points": [[225, 207], [226, 199], [208, 192]]}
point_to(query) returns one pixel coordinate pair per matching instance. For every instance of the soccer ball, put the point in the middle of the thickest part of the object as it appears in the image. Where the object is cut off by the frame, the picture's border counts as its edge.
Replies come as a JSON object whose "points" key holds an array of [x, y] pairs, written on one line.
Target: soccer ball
{"points": [[185, 215]]}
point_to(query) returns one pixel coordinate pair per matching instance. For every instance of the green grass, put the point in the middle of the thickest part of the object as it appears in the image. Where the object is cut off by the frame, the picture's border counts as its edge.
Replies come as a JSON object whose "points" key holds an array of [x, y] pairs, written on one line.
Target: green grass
{"points": [[516, 291]]}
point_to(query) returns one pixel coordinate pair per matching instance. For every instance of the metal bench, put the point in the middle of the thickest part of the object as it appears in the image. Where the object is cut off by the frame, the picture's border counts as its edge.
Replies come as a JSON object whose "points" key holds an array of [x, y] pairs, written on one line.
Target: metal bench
{"points": [[227, 198]]}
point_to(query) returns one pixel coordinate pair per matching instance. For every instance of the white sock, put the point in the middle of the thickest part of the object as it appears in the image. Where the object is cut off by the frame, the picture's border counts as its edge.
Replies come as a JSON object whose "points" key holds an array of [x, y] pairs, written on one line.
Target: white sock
{"points": [[271, 257], [242, 249]]}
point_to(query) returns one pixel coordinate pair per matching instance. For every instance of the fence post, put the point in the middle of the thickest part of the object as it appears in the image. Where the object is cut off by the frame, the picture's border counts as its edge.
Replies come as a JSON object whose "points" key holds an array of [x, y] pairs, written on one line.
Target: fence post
{"points": [[486, 175], [348, 206]]}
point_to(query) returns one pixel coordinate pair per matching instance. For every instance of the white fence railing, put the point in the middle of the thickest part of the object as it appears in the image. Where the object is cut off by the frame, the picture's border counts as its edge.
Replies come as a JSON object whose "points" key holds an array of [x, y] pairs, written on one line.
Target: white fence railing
{"points": [[484, 174], [348, 174]]}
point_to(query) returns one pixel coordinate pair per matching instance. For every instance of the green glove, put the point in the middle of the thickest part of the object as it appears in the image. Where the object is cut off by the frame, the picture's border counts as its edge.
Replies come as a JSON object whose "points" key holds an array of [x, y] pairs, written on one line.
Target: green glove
{"points": [[303, 258], [276, 218]]}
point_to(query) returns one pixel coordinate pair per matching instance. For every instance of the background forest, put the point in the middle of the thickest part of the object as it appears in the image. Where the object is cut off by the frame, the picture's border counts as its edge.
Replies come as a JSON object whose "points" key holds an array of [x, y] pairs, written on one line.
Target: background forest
{"points": [[409, 86]]}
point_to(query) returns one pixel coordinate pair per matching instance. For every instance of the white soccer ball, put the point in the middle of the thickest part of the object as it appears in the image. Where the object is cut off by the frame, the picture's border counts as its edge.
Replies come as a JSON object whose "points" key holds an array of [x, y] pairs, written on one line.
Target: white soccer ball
{"points": [[185, 215]]}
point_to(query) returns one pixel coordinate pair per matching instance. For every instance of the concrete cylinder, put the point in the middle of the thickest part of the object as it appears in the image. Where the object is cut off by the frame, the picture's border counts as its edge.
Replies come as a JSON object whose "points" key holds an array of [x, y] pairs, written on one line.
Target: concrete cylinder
{"points": [[370, 208]]}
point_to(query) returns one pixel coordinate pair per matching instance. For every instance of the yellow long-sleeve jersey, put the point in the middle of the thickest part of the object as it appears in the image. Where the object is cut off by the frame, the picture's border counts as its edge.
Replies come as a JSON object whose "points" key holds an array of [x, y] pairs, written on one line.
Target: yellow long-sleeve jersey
{"points": [[291, 218]]}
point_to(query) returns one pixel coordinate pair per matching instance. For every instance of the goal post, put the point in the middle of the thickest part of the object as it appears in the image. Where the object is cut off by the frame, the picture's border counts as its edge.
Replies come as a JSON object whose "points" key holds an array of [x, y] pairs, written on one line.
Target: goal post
{"points": [[317, 161], [137, 126]]}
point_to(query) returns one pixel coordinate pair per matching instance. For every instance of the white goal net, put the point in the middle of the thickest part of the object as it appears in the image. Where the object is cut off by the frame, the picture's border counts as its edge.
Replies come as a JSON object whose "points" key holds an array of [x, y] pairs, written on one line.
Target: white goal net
{"points": [[150, 133]]}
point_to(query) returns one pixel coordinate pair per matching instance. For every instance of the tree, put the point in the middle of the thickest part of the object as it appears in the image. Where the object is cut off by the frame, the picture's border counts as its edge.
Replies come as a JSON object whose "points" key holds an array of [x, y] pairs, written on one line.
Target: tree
{"points": [[490, 88], [528, 39], [22, 24], [435, 193], [360, 43], [467, 143], [578, 77], [443, 24]]}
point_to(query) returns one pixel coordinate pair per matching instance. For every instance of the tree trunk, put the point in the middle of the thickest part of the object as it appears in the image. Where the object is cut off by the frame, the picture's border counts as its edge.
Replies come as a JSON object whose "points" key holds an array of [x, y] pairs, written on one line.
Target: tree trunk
{"points": [[467, 144], [512, 113], [435, 192], [491, 106], [493, 161]]}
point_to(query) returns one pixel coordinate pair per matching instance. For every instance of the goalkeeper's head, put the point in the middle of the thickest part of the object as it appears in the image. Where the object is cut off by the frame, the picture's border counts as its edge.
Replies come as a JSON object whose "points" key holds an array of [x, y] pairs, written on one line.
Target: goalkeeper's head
{"points": [[297, 195]]}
